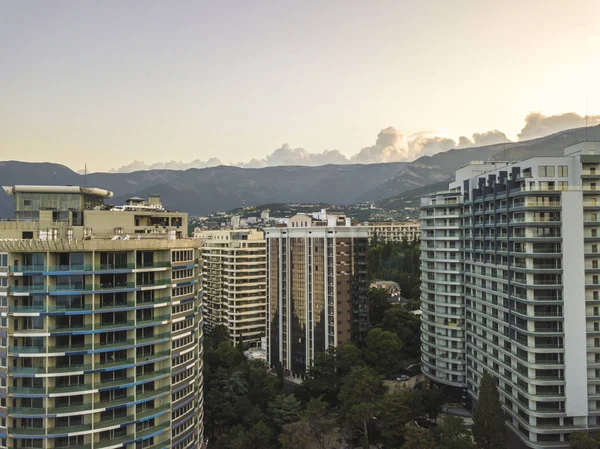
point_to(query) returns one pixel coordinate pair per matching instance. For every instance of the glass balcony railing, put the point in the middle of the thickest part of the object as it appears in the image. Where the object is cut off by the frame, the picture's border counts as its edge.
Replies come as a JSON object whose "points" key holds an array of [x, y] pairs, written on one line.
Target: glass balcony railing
{"points": [[161, 336], [27, 288], [33, 308], [113, 441], [111, 267], [153, 264], [155, 319], [70, 388], [77, 267], [115, 305], [154, 282], [70, 348], [128, 323], [116, 344], [70, 327], [26, 268], [27, 349], [162, 299], [69, 288], [113, 363], [114, 286]]}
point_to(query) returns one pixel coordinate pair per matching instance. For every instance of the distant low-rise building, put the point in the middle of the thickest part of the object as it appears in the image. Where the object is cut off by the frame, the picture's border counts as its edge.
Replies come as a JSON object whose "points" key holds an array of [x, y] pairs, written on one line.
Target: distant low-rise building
{"points": [[395, 231]]}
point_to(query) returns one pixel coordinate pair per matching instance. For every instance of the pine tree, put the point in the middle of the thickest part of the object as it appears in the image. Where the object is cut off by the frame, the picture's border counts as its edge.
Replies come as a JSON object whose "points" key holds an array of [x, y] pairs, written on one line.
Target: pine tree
{"points": [[488, 419]]}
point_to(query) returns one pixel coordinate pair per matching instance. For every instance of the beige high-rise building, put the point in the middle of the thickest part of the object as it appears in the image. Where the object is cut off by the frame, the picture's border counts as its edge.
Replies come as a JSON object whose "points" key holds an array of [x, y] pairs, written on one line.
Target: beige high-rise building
{"points": [[317, 288], [234, 276], [101, 328]]}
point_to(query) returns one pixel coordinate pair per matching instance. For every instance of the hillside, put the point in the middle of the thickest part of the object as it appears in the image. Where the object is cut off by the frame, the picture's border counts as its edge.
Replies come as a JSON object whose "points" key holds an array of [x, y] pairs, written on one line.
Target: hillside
{"points": [[201, 191]]}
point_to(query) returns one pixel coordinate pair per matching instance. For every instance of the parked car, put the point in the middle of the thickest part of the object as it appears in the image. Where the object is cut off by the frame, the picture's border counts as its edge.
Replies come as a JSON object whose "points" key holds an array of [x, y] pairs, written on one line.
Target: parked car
{"points": [[402, 378]]}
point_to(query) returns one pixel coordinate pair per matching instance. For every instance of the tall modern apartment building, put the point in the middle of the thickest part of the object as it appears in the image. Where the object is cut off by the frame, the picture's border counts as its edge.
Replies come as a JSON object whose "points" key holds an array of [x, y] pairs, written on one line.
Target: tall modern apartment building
{"points": [[234, 278], [510, 286], [317, 288], [101, 323]]}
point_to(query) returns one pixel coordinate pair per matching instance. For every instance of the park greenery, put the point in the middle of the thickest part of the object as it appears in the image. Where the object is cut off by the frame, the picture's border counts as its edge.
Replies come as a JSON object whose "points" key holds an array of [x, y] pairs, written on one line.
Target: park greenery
{"points": [[343, 400]]}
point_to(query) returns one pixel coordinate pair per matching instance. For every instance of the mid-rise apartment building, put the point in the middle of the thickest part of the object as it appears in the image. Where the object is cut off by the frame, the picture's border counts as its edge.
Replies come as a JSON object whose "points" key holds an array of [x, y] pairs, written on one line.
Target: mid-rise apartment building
{"points": [[316, 290], [234, 277], [395, 231], [510, 286], [101, 328]]}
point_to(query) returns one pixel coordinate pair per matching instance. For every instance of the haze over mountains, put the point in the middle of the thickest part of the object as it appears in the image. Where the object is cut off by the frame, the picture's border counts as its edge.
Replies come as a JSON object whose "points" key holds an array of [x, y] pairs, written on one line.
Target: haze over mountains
{"points": [[200, 191]]}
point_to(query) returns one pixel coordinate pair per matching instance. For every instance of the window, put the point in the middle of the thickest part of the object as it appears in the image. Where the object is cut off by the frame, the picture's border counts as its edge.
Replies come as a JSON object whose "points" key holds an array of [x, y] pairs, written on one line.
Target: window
{"points": [[563, 185], [563, 171], [546, 171]]}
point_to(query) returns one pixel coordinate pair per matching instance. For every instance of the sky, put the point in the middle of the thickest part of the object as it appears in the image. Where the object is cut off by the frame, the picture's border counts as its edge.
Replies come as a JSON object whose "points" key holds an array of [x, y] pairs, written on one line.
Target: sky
{"points": [[266, 82]]}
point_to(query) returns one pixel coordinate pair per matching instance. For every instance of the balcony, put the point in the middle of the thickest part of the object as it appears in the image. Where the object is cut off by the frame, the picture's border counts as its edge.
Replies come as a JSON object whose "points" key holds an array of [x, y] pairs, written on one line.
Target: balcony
{"points": [[156, 264], [27, 349], [68, 268], [27, 288], [114, 267], [70, 288], [155, 319], [115, 325], [114, 286], [27, 268], [70, 388], [113, 441]]}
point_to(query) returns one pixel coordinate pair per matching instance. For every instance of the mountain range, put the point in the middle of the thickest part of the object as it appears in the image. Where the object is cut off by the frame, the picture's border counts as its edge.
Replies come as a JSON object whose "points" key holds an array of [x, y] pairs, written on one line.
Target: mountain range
{"points": [[201, 191]]}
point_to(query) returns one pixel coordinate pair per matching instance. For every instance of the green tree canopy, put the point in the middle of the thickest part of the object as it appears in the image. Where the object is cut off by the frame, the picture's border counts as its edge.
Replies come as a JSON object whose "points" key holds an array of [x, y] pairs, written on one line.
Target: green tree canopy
{"points": [[418, 438], [582, 440], [379, 304], [488, 418], [453, 434], [384, 351], [359, 400]]}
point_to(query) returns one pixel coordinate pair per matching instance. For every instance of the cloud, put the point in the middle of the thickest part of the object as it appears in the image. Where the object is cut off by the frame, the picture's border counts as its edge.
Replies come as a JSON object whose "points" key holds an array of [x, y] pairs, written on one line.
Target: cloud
{"points": [[171, 165], [389, 147], [424, 145], [480, 139], [539, 125]]}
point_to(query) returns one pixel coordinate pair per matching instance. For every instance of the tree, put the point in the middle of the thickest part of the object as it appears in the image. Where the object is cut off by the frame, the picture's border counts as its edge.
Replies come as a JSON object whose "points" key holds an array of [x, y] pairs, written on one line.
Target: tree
{"points": [[488, 418], [317, 429], [359, 400], [383, 351], [407, 326], [453, 434], [583, 440], [379, 303], [418, 438], [323, 380], [394, 413], [284, 409]]}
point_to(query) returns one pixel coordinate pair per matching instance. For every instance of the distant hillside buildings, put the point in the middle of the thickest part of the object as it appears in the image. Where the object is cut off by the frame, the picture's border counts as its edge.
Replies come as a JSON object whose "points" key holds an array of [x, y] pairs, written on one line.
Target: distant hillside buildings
{"points": [[395, 231]]}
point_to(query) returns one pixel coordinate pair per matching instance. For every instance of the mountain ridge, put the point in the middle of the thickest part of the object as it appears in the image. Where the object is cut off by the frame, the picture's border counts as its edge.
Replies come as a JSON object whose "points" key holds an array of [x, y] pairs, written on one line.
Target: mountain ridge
{"points": [[203, 190]]}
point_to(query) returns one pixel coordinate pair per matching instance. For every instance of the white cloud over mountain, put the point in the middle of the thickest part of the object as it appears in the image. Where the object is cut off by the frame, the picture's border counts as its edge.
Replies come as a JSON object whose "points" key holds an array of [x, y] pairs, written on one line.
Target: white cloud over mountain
{"points": [[390, 146]]}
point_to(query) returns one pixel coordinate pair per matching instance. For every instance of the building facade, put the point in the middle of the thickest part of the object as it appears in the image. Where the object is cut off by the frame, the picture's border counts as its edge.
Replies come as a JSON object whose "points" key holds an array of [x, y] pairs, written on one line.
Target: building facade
{"points": [[395, 231], [101, 328], [234, 277], [510, 286], [316, 289]]}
